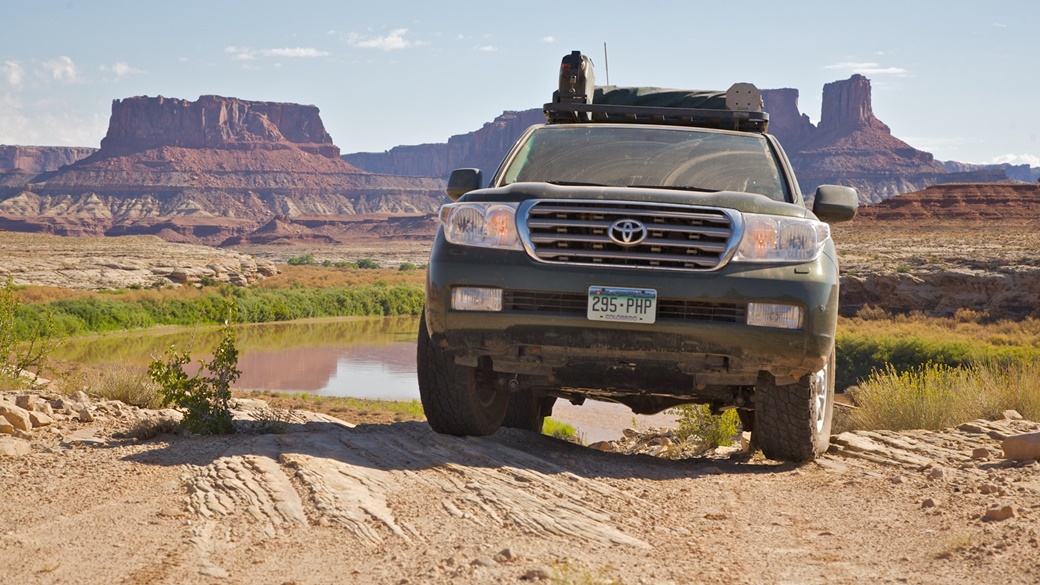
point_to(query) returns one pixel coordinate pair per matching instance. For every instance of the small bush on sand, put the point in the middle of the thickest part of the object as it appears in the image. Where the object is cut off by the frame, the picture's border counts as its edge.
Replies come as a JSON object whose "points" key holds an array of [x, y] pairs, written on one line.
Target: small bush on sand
{"points": [[204, 397], [150, 428], [560, 430], [696, 422], [128, 385]]}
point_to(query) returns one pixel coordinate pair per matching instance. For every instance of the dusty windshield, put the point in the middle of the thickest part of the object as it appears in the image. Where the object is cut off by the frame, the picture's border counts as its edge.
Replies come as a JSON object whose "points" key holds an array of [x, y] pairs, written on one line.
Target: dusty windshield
{"points": [[642, 156]]}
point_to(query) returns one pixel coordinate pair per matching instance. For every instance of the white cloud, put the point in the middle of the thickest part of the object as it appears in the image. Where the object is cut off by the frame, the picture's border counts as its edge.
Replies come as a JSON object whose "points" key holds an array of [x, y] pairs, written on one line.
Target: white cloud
{"points": [[999, 25], [868, 68], [13, 73], [1018, 159], [120, 69], [59, 123], [62, 69], [487, 48], [247, 54], [549, 39], [391, 42]]}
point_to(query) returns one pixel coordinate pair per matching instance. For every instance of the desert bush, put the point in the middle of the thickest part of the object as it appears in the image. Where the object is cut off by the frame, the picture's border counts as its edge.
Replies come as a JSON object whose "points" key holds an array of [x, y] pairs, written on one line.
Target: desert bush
{"points": [[149, 428], [24, 347], [697, 423], [303, 260], [367, 264], [872, 313], [560, 430], [405, 266], [128, 385], [204, 397], [935, 396]]}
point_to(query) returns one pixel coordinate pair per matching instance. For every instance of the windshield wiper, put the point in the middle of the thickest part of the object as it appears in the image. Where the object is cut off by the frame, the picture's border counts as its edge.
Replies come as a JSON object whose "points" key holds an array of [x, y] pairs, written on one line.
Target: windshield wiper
{"points": [[675, 188], [576, 184]]}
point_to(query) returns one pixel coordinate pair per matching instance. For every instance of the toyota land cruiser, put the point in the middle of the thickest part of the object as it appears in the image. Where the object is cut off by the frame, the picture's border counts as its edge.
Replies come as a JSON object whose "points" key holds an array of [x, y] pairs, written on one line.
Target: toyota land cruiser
{"points": [[647, 247]]}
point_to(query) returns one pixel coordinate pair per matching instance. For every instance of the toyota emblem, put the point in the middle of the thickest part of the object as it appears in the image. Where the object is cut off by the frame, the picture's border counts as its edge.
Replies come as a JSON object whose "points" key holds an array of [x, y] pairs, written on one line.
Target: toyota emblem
{"points": [[627, 232]]}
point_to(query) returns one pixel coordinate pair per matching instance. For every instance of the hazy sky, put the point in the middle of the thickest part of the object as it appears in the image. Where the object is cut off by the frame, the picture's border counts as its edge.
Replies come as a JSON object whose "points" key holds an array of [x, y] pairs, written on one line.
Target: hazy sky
{"points": [[956, 78]]}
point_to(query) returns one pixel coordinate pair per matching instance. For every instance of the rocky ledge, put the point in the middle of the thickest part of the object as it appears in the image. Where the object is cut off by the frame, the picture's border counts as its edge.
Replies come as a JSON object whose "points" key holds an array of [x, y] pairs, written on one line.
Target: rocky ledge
{"points": [[100, 263]]}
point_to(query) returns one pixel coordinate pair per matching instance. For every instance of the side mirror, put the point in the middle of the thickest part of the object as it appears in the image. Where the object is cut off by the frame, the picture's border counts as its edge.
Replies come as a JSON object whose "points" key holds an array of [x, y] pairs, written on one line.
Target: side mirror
{"points": [[462, 181], [833, 203]]}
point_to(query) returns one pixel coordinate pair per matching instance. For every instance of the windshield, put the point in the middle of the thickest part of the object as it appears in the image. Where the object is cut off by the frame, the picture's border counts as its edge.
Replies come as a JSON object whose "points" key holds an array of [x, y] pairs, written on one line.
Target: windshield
{"points": [[648, 156]]}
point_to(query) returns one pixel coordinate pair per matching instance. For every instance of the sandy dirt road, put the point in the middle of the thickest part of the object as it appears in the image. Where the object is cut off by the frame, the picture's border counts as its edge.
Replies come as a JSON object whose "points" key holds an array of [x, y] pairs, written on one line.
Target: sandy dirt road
{"points": [[396, 503]]}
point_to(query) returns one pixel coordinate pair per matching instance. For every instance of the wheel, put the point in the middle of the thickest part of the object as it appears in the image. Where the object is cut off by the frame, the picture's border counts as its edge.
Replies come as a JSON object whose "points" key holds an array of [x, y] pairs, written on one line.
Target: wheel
{"points": [[527, 411], [793, 422], [458, 400]]}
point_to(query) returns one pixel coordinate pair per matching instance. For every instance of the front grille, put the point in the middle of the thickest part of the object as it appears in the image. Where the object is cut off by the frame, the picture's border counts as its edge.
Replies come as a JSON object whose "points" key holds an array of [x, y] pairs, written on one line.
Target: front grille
{"points": [[677, 237], [558, 303]]}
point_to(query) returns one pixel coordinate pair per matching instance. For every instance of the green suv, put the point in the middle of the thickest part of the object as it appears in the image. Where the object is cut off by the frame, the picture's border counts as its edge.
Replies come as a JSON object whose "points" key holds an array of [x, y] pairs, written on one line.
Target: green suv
{"points": [[647, 247]]}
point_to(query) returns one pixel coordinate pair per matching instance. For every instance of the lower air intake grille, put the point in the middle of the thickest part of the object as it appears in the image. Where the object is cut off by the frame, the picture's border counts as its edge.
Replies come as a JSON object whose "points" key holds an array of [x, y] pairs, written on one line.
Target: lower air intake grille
{"points": [[540, 302]]}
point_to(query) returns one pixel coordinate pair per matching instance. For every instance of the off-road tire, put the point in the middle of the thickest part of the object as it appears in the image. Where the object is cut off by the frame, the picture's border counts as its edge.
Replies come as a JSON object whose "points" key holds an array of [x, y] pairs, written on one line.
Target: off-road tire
{"points": [[793, 422], [458, 400], [527, 411]]}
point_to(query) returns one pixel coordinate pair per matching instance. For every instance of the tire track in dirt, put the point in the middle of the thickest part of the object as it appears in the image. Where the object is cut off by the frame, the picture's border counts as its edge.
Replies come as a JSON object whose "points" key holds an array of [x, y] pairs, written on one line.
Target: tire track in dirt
{"points": [[269, 484]]}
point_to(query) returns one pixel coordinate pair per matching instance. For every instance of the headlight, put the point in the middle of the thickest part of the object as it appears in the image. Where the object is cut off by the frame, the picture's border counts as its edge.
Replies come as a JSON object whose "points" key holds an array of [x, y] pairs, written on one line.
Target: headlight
{"points": [[488, 225], [768, 238]]}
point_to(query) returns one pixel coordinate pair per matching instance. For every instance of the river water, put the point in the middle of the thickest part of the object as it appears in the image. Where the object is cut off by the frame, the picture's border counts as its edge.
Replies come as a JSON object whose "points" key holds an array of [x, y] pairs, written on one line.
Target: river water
{"points": [[371, 357]]}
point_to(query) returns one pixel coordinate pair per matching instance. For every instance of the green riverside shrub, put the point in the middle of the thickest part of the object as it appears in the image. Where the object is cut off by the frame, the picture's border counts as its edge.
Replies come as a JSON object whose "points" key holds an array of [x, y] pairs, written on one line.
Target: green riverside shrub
{"points": [[71, 317]]}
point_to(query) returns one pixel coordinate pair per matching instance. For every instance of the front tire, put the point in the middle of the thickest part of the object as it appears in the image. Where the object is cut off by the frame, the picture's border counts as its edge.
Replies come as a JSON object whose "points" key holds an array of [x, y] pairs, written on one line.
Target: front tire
{"points": [[792, 422], [458, 400]]}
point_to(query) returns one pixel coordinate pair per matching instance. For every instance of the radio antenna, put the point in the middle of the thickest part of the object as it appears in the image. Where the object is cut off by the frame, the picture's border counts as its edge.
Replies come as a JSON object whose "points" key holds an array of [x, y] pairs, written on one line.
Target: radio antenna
{"points": [[606, 64]]}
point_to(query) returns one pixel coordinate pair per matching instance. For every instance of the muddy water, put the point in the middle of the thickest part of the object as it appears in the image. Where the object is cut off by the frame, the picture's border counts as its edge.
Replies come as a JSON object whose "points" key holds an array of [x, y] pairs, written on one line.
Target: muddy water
{"points": [[362, 358], [355, 357]]}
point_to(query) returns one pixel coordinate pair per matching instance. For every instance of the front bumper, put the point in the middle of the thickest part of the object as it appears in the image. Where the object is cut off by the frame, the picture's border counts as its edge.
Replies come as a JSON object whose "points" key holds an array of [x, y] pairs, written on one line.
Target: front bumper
{"points": [[711, 345]]}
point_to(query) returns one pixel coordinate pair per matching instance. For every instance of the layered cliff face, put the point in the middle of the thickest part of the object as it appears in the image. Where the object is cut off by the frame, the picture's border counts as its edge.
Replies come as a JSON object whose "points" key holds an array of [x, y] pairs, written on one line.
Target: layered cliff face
{"points": [[946, 248], [144, 123], [850, 146], [40, 159], [482, 149], [206, 171]]}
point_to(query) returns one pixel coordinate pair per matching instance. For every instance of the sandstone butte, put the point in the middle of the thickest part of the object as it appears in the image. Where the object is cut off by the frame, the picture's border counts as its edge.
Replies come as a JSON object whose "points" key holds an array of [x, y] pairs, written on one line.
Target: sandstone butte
{"points": [[203, 172], [225, 171]]}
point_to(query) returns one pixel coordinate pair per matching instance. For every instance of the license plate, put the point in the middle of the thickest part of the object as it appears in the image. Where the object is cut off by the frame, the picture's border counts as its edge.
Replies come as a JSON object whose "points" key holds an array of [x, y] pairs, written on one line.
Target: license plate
{"points": [[632, 305]]}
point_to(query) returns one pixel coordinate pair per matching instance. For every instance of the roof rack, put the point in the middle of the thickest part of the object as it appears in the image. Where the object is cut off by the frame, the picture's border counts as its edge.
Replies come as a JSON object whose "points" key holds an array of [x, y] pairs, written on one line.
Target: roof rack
{"points": [[574, 102]]}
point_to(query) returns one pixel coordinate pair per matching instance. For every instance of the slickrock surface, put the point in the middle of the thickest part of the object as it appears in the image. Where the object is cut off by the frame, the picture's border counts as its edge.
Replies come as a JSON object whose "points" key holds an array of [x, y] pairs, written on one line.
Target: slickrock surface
{"points": [[119, 263], [324, 501]]}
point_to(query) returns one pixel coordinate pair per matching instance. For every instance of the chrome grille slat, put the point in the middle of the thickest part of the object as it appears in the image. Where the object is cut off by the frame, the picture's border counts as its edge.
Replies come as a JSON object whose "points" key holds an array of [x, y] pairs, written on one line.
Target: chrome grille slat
{"points": [[601, 256], [626, 211], [677, 237], [691, 244]]}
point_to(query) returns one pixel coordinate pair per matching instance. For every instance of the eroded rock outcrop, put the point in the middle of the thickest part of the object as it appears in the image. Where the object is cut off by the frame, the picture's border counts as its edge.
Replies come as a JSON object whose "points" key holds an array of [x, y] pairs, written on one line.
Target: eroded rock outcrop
{"points": [[203, 172], [144, 123], [944, 249], [40, 159], [482, 149], [850, 146]]}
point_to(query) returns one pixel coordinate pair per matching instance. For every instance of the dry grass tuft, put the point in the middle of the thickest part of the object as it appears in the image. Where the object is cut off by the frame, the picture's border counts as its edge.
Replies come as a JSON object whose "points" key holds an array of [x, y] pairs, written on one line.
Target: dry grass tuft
{"points": [[936, 396], [126, 384]]}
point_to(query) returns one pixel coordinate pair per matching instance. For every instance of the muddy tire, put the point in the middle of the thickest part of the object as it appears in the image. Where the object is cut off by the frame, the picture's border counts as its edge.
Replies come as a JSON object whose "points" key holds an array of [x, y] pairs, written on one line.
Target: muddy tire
{"points": [[527, 411], [458, 400], [793, 422]]}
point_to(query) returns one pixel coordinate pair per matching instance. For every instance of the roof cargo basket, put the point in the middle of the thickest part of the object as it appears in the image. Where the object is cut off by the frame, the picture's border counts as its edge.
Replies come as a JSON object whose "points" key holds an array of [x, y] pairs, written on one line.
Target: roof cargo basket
{"points": [[579, 100]]}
